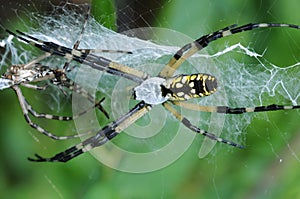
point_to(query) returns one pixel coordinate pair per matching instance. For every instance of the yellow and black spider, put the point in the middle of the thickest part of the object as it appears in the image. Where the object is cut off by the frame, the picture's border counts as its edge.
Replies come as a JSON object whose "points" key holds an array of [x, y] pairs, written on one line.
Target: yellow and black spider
{"points": [[164, 89]]}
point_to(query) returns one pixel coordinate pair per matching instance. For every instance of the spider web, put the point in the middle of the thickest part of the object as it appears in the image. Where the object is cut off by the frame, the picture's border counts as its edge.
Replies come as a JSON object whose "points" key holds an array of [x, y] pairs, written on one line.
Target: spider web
{"points": [[247, 73]]}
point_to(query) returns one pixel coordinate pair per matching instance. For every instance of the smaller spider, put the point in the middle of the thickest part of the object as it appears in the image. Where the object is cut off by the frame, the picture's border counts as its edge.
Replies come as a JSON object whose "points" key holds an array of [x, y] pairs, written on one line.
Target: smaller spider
{"points": [[33, 72]]}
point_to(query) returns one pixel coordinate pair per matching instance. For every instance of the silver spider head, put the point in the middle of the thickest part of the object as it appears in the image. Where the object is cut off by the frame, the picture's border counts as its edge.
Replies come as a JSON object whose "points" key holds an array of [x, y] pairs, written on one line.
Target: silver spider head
{"points": [[150, 91]]}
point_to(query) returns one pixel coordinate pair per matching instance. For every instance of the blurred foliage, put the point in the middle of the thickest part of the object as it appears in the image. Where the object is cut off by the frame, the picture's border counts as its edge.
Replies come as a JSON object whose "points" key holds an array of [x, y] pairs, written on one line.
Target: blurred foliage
{"points": [[104, 12], [267, 168]]}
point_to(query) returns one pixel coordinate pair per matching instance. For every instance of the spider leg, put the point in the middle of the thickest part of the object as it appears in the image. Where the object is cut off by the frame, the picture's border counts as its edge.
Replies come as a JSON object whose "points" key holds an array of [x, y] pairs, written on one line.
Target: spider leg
{"points": [[36, 61], [191, 48], [87, 95], [194, 128], [229, 110], [35, 87], [114, 68], [86, 18], [85, 57], [62, 118], [76, 45], [81, 91], [26, 109], [107, 133], [185, 52]]}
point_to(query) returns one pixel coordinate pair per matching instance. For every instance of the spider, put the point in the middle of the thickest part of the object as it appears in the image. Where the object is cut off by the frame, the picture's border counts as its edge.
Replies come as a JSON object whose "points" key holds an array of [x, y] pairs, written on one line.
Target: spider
{"points": [[164, 89], [33, 72]]}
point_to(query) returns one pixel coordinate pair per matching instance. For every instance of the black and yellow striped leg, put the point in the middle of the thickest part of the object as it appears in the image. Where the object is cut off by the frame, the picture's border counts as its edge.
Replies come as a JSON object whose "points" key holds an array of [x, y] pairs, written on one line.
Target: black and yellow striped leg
{"points": [[230, 110], [189, 49], [114, 68], [272, 107], [194, 128], [74, 151], [185, 52], [52, 45], [104, 135], [84, 56]]}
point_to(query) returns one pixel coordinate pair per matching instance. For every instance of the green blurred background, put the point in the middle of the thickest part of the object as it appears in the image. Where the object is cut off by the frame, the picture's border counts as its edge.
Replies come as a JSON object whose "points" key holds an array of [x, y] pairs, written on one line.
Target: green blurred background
{"points": [[268, 168]]}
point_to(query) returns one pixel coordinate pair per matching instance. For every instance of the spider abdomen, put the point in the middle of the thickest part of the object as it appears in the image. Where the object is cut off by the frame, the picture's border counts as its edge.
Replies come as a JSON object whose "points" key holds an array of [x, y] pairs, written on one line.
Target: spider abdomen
{"points": [[184, 87]]}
